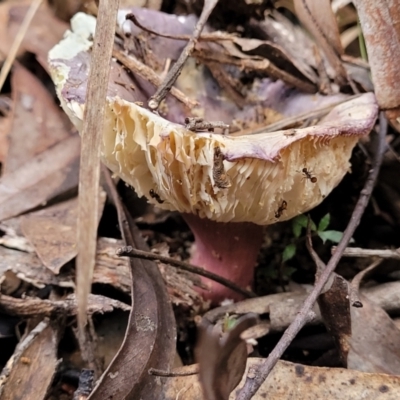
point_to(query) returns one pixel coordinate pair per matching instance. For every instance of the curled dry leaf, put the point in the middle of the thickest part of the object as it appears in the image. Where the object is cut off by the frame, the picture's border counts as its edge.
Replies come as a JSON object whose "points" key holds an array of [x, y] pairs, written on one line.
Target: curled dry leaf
{"points": [[151, 333], [222, 360]]}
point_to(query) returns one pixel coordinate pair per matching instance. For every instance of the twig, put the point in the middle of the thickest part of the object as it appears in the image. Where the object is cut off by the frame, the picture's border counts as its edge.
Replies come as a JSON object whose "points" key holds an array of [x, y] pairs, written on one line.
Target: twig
{"points": [[12, 53], [129, 251], [210, 37], [354, 287], [252, 384], [175, 71], [149, 75], [182, 371], [364, 253], [89, 177]]}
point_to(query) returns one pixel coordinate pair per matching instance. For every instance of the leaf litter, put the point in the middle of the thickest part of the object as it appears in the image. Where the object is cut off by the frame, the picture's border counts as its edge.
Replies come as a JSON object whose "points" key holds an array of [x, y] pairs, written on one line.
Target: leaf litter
{"points": [[256, 73]]}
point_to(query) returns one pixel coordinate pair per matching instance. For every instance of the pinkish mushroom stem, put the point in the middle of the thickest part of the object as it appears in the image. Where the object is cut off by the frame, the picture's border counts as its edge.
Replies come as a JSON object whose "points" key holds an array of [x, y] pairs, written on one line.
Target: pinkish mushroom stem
{"points": [[227, 249]]}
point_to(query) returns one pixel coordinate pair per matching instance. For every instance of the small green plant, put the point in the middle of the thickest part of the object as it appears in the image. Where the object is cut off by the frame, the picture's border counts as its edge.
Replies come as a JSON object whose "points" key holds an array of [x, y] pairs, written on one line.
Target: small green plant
{"points": [[301, 222]]}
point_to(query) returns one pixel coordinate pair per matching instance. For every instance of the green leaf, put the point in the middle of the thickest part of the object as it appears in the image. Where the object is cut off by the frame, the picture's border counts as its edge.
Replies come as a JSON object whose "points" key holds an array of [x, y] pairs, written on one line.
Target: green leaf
{"points": [[296, 228], [333, 236], [289, 252], [324, 223]]}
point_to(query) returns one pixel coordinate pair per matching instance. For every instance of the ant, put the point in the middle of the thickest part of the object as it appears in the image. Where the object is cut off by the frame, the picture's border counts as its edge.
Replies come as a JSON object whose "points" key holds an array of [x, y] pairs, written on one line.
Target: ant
{"points": [[156, 196], [281, 209], [307, 173]]}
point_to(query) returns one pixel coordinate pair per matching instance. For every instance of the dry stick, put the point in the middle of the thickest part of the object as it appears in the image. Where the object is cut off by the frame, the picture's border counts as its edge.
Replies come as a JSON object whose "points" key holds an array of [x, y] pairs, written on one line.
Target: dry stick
{"points": [[175, 71], [253, 384], [187, 370], [363, 253], [89, 178], [149, 75], [18, 40], [354, 287], [129, 251]]}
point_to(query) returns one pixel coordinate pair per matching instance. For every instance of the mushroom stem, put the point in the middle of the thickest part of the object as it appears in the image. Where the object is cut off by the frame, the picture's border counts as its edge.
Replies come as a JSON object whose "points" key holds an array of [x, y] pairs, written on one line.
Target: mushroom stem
{"points": [[227, 249]]}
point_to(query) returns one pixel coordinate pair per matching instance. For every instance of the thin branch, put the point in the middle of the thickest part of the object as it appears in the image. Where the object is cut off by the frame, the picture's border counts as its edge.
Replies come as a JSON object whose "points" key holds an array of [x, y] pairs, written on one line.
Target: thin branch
{"points": [[149, 75], [89, 177], [354, 287], [187, 370], [176, 70], [253, 384], [364, 253], [129, 251]]}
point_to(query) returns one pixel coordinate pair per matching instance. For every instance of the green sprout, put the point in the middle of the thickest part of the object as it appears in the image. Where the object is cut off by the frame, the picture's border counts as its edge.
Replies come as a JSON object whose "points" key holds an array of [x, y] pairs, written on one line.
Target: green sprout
{"points": [[301, 222]]}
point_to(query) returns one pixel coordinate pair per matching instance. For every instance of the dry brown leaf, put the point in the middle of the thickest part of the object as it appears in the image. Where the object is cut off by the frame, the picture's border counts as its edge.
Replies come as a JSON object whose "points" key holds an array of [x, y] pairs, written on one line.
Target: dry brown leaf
{"points": [[379, 23], [317, 16], [44, 32], [367, 338], [37, 122], [288, 381], [151, 333], [29, 372], [42, 178], [52, 232], [222, 360]]}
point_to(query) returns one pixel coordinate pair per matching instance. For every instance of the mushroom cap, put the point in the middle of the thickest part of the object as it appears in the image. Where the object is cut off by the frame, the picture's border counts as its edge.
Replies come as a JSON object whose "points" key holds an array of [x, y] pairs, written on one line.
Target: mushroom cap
{"points": [[258, 178]]}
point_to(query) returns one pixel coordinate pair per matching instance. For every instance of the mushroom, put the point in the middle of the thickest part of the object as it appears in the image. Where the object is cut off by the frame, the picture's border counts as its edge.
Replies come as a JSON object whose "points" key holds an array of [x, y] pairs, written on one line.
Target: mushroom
{"points": [[226, 187]]}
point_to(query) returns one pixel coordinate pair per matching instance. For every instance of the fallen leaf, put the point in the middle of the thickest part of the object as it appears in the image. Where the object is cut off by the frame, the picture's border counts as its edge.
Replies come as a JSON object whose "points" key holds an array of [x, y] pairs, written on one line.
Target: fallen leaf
{"points": [[367, 338], [151, 333], [288, 381], [52, 232], [35, 115], [49, 174]]}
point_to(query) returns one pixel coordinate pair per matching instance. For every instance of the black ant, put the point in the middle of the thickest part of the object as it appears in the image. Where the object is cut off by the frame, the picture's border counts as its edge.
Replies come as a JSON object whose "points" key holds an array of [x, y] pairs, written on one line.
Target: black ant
{"points": [[307, 173], [281, 209], [156, 196]]}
